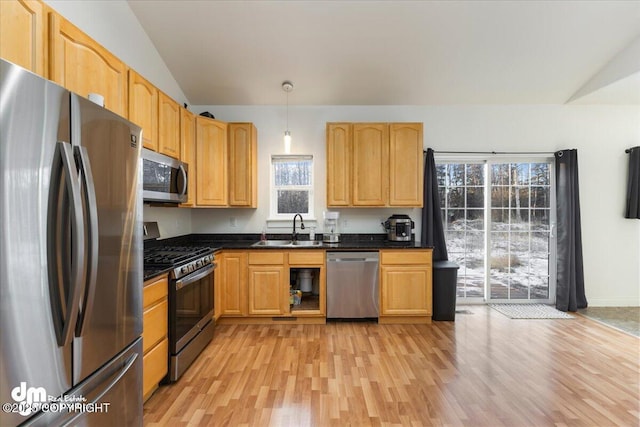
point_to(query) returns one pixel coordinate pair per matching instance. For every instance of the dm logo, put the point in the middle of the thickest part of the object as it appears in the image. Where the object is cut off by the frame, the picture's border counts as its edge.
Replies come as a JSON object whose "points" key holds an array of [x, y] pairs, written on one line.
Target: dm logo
{"points": [[29, 396]]}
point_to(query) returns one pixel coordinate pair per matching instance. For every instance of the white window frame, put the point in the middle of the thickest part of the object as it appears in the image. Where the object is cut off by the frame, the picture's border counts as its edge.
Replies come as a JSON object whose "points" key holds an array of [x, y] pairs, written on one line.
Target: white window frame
{"points": [[278, 219], [489, 160]]}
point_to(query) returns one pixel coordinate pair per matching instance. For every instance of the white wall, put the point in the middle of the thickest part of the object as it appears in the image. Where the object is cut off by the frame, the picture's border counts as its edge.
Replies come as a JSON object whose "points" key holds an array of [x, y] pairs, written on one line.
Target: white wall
{"points": [[114, 26], [600, 133]]}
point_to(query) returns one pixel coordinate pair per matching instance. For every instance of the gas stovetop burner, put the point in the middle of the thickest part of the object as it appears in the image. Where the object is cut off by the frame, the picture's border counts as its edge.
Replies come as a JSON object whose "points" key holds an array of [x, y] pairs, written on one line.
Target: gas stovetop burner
{"points": [[183, 259]]}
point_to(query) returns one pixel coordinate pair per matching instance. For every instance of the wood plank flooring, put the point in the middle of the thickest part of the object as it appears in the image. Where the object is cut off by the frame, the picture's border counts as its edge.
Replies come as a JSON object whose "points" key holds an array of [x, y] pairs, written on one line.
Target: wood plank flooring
{"points": [[481, 370]]}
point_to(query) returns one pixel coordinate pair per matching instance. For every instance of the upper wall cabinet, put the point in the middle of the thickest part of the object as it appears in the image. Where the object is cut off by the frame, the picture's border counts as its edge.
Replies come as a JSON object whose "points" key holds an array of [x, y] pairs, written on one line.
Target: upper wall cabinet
{"points": [[339, 149], [370, 164], [168, 126], [188, 151], [211, 162], [406, 176], [243, 158], [22, 34], [81, 65], [143, 108], [374, 164]]}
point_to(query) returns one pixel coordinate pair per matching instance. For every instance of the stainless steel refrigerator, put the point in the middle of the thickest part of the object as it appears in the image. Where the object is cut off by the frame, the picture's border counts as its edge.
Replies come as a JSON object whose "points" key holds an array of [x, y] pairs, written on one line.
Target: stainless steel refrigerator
{"points": [[70, 258]]}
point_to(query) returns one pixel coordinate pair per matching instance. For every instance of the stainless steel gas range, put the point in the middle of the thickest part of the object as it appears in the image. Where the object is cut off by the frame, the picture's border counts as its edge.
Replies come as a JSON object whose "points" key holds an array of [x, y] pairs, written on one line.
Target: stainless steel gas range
{"points": [[190, 300]]}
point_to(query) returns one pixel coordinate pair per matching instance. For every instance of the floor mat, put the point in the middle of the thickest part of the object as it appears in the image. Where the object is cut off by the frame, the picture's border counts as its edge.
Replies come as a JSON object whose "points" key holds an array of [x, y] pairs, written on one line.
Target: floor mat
{"points": [[530, 311]]}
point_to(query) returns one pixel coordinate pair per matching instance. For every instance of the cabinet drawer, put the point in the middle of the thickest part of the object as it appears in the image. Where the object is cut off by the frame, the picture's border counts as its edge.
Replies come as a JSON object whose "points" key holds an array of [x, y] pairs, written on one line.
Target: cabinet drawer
{"points": [[154, 290], [155, 366], [266, 257], [306, 257], [402, 257], [154, 324]]}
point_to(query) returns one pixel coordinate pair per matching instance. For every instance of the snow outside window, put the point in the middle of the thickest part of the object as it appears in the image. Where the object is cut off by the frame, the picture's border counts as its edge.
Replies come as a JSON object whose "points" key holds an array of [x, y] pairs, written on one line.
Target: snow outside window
{"points": [[291, 186]]}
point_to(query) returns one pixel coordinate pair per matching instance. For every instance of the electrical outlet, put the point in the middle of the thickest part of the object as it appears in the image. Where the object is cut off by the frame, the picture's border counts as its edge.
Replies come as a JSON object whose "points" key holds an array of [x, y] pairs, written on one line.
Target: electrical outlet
{"points": [[345, 223], [233, 221]]}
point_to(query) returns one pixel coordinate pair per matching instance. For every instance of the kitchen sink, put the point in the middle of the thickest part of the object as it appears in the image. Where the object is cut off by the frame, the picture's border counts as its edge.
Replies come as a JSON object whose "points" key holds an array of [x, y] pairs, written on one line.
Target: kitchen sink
{"points": [[306, 243], [288, 243]]}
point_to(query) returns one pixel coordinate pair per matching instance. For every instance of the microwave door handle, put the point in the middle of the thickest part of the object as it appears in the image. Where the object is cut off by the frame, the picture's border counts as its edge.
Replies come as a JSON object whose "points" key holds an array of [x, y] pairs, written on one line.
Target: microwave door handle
{"points": [[65, 316], [92, 238], [183, 172]]}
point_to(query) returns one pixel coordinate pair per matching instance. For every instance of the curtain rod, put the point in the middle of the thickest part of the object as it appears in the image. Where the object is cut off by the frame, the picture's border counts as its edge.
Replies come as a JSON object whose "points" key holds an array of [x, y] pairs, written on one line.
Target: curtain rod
{"points": [[628, 150], [493, 152]]}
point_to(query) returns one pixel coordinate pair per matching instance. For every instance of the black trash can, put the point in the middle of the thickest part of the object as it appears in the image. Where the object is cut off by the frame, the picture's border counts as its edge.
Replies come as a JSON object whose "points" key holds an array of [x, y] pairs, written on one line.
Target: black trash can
{"points": [[445, 278]]}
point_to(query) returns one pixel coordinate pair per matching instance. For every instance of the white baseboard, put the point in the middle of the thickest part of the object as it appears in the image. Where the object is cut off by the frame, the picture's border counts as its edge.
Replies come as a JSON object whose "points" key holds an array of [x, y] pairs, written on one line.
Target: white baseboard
{"points": [[617, 302]]}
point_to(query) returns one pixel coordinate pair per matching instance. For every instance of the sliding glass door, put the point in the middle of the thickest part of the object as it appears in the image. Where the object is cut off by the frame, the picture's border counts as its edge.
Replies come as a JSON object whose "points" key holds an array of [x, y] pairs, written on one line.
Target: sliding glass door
{"points": [[498, 221]]}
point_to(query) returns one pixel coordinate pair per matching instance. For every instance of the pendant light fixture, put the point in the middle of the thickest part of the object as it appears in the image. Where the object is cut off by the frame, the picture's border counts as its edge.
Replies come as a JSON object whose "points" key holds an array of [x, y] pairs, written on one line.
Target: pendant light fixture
{"points": [[287, 86]]}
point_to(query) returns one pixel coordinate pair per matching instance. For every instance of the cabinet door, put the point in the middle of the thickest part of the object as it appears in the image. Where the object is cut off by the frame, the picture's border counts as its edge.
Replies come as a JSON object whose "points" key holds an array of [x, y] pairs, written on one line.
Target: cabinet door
{"points": [[339, 147], [22, 34], [405, 290], [233, 285], [370, 164], [188, 151], [243, 165], [143, 108], [211, 162], [168, 126], [267, 294], [83, 66], [405, 164]]}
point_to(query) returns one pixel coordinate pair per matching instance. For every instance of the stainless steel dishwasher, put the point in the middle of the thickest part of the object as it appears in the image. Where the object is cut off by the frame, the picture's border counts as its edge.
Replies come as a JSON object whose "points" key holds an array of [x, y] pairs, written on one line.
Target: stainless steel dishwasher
{"points": [[352, 285]]}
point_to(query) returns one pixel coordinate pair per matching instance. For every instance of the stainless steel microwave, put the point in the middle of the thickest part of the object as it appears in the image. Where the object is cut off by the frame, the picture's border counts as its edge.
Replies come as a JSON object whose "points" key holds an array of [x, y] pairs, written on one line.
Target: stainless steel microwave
{"points": [[164, 178]]}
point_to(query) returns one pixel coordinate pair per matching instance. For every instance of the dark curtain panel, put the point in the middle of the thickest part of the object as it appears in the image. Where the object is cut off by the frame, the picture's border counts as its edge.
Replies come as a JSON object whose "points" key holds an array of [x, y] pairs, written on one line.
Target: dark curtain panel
{"points": [[432, 231], [633, 185], [570, 294]]}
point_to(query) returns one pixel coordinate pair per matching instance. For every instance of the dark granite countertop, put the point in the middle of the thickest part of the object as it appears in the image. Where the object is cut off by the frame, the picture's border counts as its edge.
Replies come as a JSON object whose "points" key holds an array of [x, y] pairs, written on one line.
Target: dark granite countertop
{"points": [[349, 242], [246, 241]]}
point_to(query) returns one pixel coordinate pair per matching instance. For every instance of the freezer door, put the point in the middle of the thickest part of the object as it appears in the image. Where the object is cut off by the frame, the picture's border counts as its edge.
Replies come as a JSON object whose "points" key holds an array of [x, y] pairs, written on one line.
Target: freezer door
{"points": [[110, 397], [34, 310], [107, 150]]}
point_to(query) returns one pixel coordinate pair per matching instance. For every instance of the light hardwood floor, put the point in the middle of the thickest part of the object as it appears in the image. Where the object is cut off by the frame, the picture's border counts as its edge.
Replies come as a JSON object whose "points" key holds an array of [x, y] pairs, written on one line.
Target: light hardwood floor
{"points": [[481, 370]]}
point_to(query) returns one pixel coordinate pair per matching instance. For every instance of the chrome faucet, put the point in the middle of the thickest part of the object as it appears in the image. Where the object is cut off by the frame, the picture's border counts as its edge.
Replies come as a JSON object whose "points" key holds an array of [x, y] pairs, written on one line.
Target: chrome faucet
{"points": [[294, 235]]}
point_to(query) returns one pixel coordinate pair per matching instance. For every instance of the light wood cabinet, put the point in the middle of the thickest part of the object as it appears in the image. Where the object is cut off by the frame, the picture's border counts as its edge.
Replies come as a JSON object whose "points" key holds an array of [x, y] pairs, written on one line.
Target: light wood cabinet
{"points": [[370, 164], [339, 149], [168, 126], [188, 151], [143, 108], [406, 174], [243, 160], [268, 284], [211, 162], [22, 35], [374, 164], [81, 65], [405, 286], [312, 305], [155, 342], [233, 284]]}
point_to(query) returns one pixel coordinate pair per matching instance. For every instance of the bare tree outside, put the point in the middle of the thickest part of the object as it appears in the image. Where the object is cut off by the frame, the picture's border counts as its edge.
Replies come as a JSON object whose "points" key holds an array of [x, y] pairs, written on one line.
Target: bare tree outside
{"points": [[516, 248], [293, 180]]}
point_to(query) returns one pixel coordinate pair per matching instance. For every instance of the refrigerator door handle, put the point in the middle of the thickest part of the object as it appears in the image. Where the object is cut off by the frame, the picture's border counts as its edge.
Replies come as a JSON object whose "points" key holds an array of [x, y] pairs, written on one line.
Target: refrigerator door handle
{"points": [[65, 307], [92, 238], [128, 364]]}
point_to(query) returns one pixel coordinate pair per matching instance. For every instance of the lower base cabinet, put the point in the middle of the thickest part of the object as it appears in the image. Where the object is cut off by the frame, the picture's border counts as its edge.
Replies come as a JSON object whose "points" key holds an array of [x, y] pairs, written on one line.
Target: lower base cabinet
{"points": [[268, 290], [155, 342], [255, 286], [405, 286]]}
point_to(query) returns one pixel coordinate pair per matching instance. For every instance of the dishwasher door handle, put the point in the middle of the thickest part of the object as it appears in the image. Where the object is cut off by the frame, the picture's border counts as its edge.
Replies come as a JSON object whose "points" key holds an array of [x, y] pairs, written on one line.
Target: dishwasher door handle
{"points": [[354, 260]]}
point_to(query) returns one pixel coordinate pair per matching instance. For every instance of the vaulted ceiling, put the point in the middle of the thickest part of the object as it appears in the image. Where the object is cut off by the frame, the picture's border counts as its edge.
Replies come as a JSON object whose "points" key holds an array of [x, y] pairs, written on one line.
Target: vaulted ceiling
{"points": [[399, 52]]}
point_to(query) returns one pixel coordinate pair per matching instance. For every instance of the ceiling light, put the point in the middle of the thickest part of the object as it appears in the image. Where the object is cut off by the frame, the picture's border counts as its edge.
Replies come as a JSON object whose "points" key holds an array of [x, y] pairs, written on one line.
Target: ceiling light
{"points": [[287, 86]]}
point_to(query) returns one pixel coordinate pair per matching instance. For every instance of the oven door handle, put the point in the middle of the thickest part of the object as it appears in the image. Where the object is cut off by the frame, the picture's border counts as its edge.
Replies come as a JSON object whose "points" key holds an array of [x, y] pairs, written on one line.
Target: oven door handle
{"points": [[194, 277]]}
